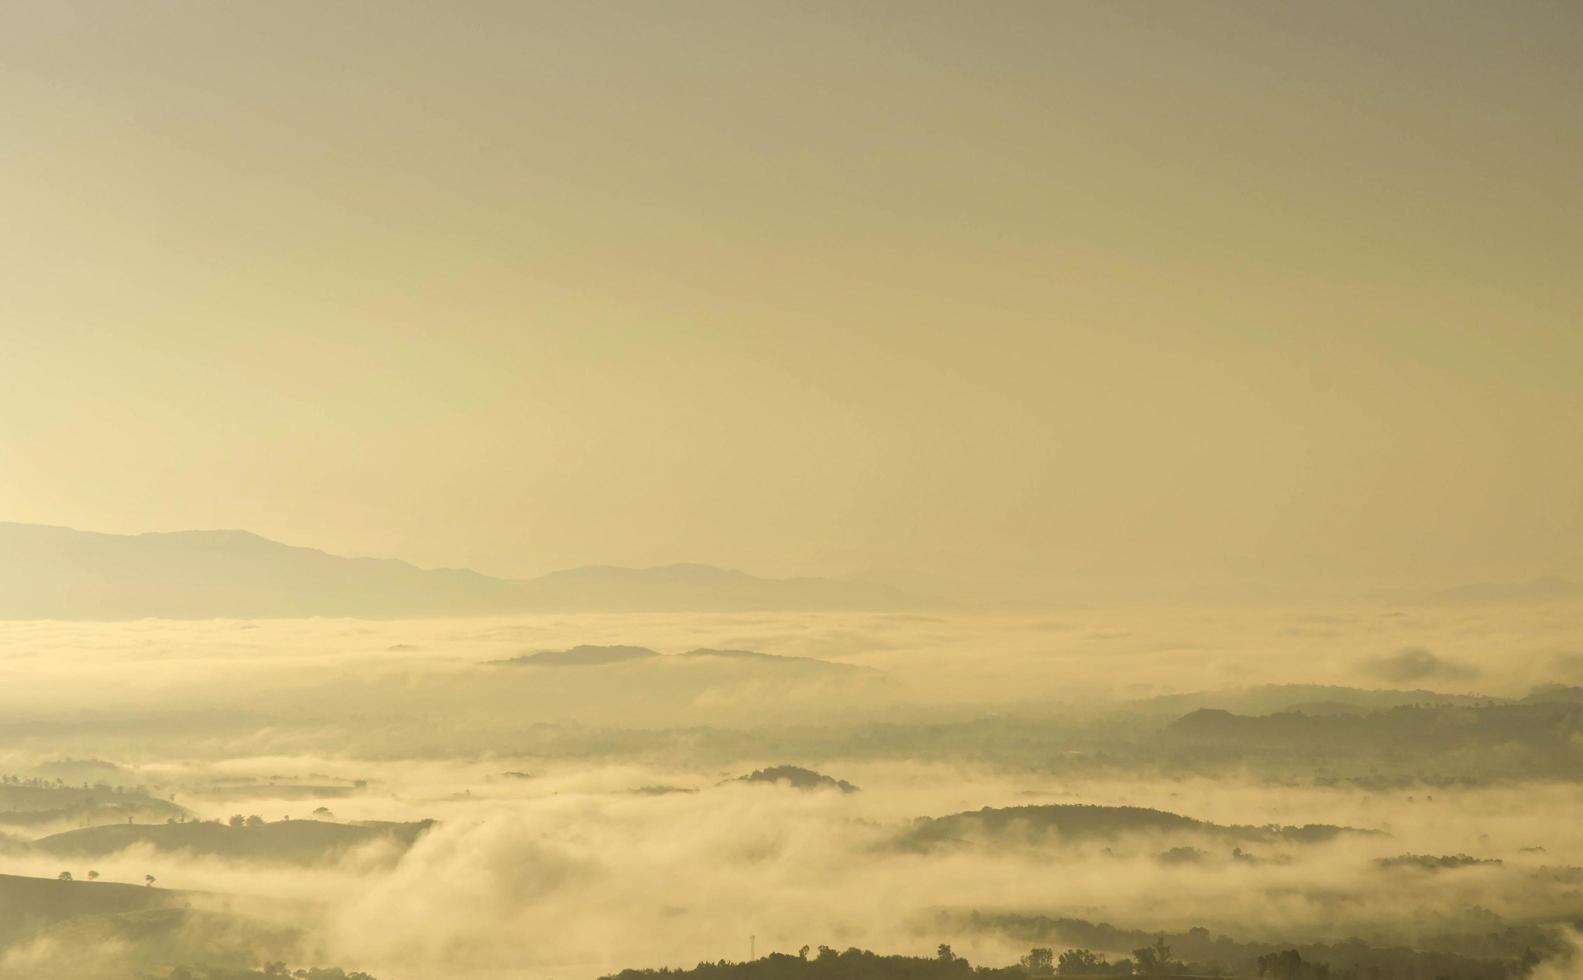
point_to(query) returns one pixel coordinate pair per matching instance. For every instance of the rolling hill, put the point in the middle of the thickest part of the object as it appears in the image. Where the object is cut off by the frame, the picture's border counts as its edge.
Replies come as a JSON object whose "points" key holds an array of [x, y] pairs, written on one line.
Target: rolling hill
{"points": [[143, 928], [35, 802], [303, 842], [38, 902], [1055, 823]]}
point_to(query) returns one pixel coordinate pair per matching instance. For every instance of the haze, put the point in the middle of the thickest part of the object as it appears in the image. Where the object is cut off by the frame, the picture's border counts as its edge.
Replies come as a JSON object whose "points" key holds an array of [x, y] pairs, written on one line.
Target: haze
{"points": [[791, 491], [1094, 297]]}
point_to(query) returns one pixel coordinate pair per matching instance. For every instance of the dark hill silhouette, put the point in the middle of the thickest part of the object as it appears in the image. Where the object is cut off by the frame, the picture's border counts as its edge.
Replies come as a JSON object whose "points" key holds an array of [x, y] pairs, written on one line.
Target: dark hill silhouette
{"points": [[1194, 953], [61, 573], [149, 927], [753, 658], [1498, 955], [33, 802], [853, 964], [1434, 862], [157, 936], [285, 842], [1554, 692], [585, 655], [1403, 726], [1494, 740], [798, 778], [1040, 824], [1308, 698], [32, 903]]}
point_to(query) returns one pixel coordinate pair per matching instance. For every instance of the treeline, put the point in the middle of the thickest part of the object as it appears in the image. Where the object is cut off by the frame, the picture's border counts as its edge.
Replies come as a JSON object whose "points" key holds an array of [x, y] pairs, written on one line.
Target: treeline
{"points": [[1494, 952], [32, 800], [852, 964], [271, 971], [1155, 959]]}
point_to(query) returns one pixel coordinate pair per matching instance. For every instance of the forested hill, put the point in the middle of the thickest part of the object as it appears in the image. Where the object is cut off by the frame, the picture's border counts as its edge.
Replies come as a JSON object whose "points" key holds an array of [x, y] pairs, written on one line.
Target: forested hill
{"points": [[1081, 821]]}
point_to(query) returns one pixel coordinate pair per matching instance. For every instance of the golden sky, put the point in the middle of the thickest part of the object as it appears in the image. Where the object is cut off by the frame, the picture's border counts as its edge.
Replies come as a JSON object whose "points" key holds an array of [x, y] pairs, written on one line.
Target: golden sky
{"points": [[1066, 292]]}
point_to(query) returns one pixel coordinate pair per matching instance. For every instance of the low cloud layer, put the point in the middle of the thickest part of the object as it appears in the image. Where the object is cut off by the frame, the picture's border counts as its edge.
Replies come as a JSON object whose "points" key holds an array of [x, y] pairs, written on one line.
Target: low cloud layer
{"points": [[589, 818]]}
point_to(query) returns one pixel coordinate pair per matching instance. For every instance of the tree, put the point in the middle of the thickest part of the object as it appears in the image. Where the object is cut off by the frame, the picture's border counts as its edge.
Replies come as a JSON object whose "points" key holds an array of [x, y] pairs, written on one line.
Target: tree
{"points": [[944, 954], [1153, 959], [1080, 961], [1289, 965], [63, 876], [148, 881], [255, 821], [237, 820], [93, 875], [1039, 962]]}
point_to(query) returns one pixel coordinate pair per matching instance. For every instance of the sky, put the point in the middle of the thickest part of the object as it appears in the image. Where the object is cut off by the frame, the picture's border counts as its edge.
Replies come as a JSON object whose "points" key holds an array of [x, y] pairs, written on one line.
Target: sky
{"points": [[1145, 294]]}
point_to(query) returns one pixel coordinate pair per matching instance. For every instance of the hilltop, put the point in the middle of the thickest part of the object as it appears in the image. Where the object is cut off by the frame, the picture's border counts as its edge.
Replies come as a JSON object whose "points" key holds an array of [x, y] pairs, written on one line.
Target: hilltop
{"points": [[797, 778], [584, 655], [1051, 823]]}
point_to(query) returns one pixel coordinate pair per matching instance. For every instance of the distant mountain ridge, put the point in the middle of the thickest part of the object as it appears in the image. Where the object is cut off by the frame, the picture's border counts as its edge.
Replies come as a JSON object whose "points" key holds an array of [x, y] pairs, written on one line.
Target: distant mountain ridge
{"points": [[591, 655], [60, 573]]}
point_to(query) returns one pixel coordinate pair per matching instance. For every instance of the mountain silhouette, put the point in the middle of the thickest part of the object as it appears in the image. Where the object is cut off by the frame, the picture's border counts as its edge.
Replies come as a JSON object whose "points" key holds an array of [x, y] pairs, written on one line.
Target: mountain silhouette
{"points": [[61, 573]]}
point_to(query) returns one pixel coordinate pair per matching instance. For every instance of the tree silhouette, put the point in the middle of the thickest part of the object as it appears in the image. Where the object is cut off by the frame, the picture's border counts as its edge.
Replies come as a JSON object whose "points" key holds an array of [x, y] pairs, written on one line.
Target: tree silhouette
{"points": [[1080, 961], [1153, 959], [1040, 961]]}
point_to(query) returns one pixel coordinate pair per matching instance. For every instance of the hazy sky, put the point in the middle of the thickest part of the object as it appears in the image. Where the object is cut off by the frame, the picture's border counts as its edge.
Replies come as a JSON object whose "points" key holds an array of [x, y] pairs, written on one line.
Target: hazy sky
{"points": [[1073, 291]]}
